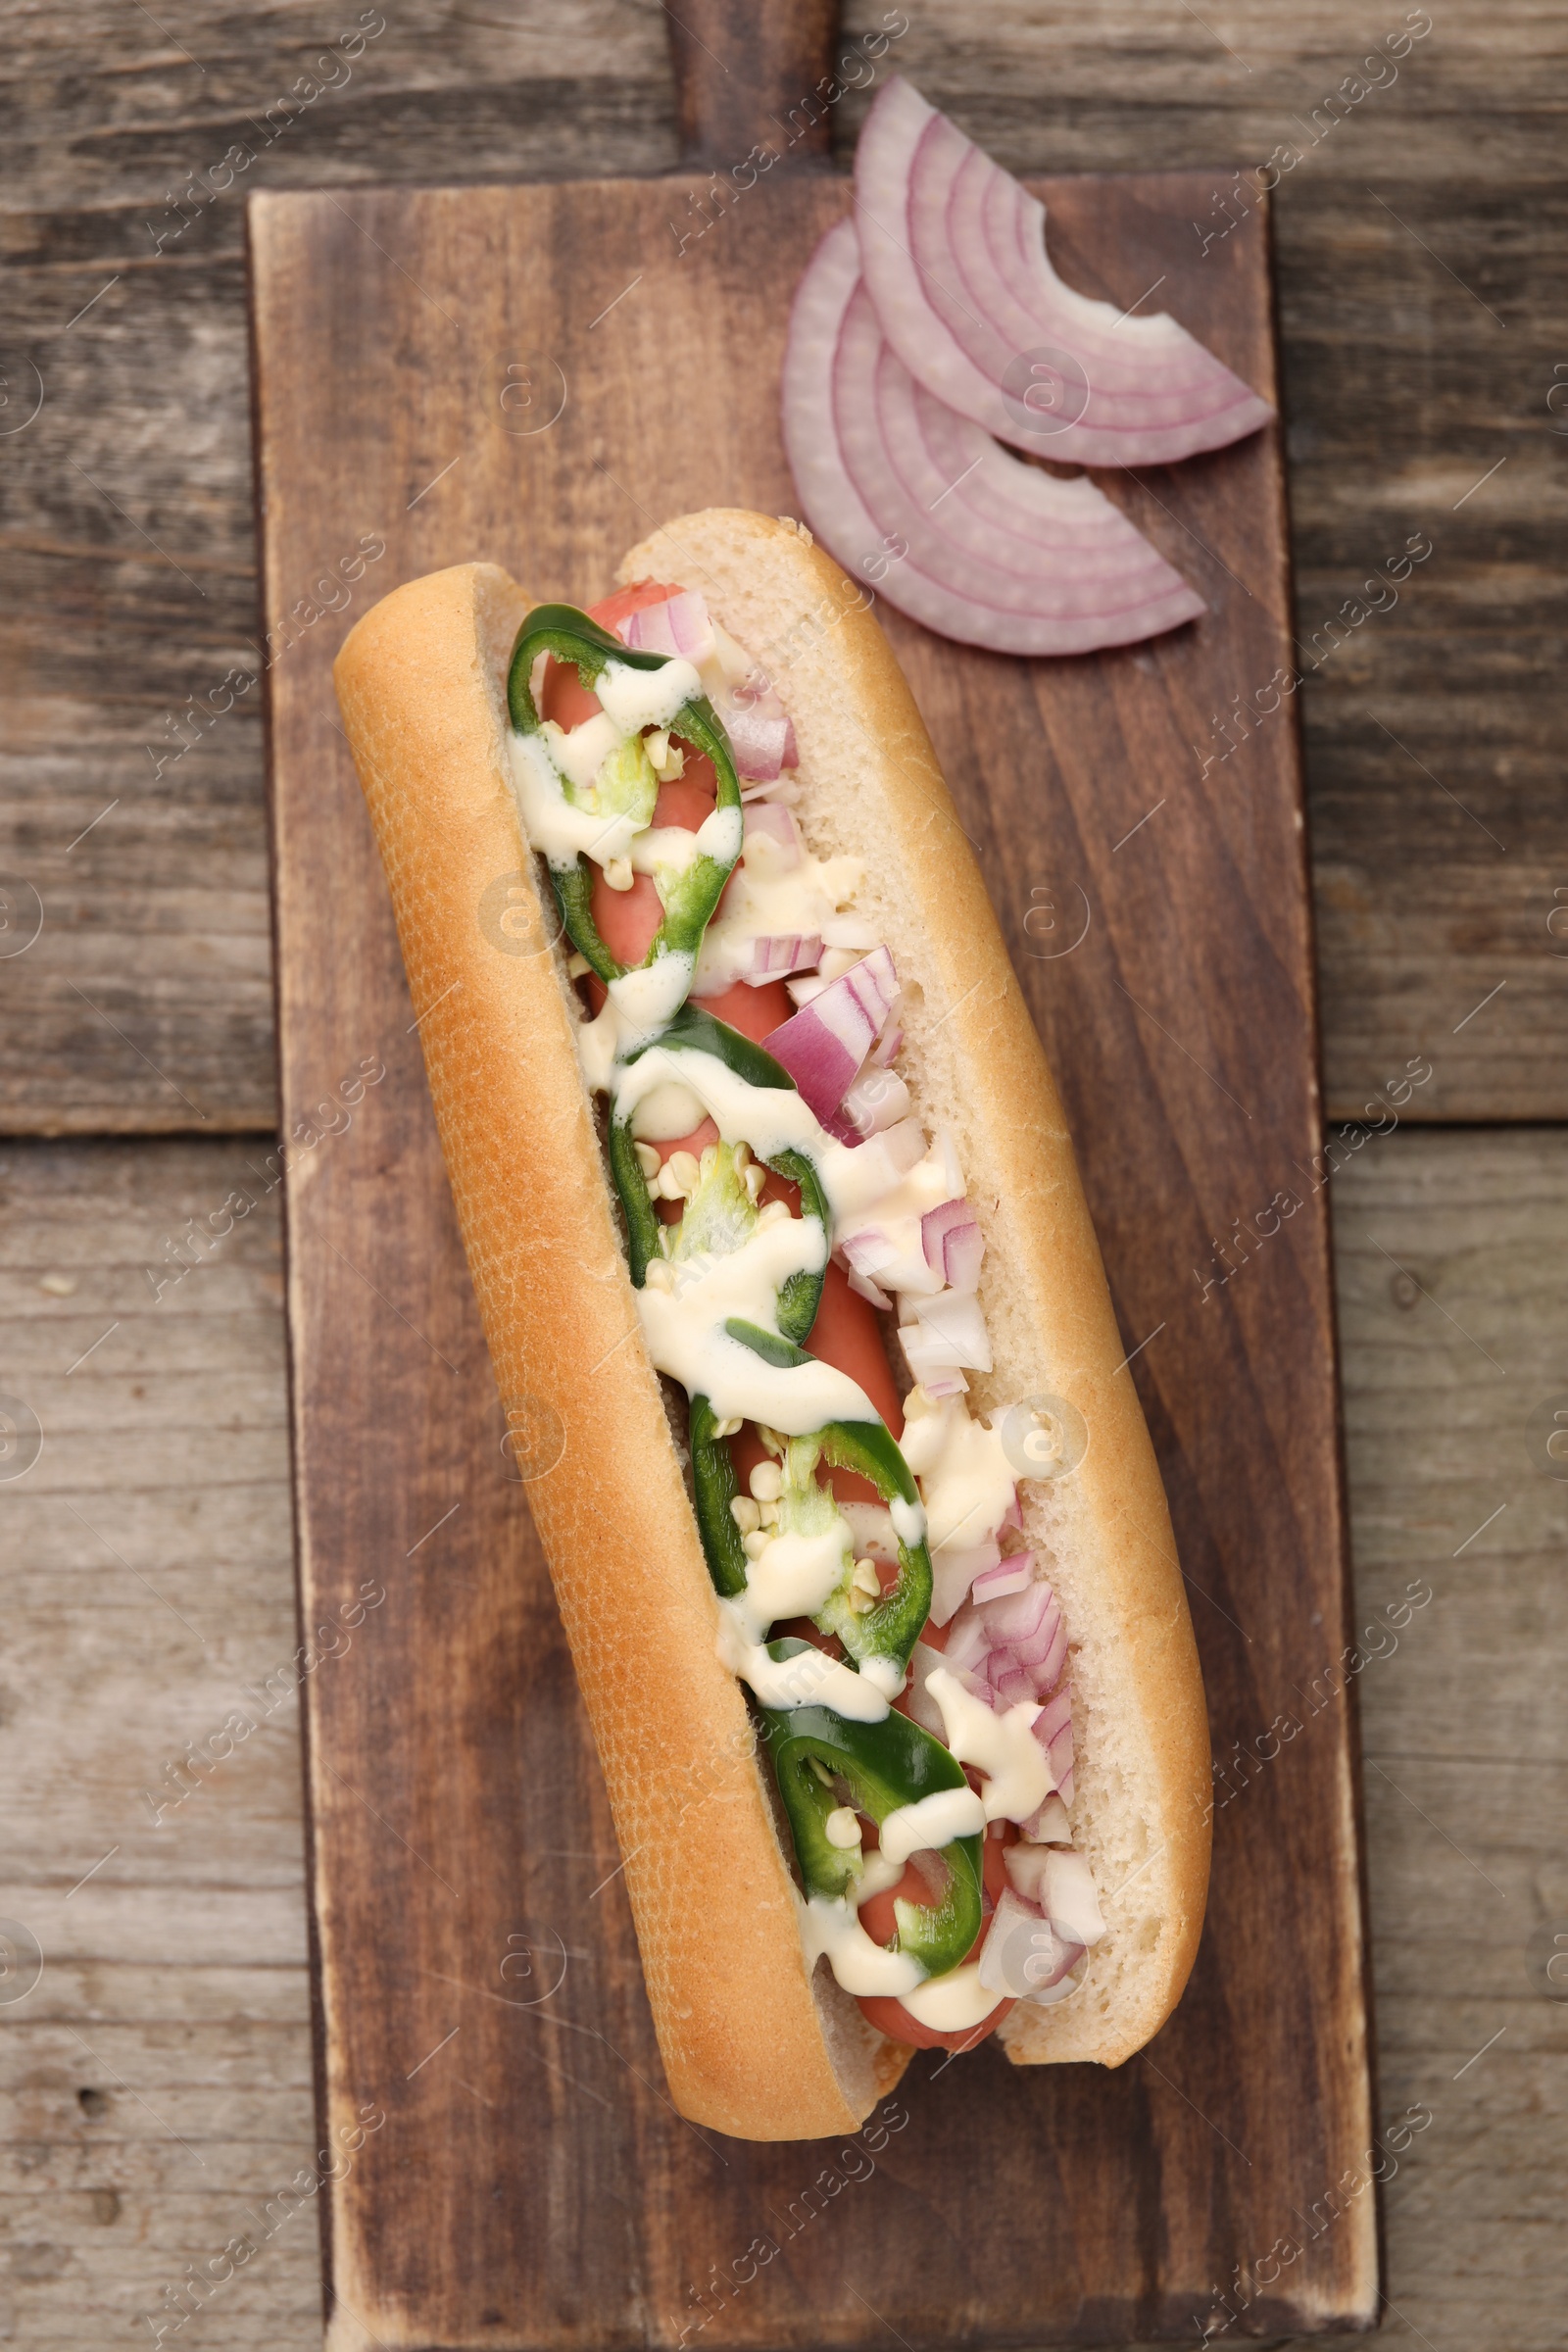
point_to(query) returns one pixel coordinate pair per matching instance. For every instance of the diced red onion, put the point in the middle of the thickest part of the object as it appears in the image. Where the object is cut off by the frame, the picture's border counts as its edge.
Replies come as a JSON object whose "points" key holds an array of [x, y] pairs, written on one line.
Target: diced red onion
{"points": [[922, 1708], [1023, 1954], [1015, 1641], [1010, 1575], [824, 1045], [954, 251], [953, 1331], [1025, 1866], [953, 1574], [961, 1255], [954, 1244], [851, 931], [1024, 1621], [761, 731], [928, 1358], [942, 1380], [865, 1182], [955, 532], [804, 989], [1050, 1826], [769, 820], [677, 627], [757, 743], [878, 1253], [1014, 1513], [1071, 1903], [778, 953], [887, 1047], [937, 1222], [1012, 1685], [867, 1289], [1052, 1728], [877, 1098]]}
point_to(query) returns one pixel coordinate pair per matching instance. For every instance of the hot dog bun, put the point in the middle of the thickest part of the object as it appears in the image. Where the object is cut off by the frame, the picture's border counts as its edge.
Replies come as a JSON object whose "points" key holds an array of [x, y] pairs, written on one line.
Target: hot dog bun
{"points": [[752, 2045]]}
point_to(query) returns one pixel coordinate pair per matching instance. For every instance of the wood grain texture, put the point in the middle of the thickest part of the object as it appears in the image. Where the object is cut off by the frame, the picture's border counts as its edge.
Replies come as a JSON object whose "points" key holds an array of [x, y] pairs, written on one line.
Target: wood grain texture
{"points": [[187, 1975], [746, 76], [1402, 391], [1179, 1016], [156, 2087]]}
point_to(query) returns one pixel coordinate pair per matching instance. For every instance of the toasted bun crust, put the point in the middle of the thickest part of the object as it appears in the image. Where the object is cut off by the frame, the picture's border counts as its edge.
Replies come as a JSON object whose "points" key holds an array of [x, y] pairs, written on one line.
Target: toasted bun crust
{"points": [[751, 2044]]}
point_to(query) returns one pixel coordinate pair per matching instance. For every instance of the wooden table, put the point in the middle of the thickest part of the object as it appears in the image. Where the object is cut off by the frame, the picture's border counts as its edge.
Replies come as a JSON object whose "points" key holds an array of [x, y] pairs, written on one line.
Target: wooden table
{"points": [[157, 2076]]}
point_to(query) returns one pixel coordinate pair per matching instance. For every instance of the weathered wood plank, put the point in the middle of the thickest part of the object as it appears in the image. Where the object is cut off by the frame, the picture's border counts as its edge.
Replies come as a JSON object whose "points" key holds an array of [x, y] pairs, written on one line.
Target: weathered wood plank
{"points": [[155, 2086], [102, 2208], [1402, 391]]}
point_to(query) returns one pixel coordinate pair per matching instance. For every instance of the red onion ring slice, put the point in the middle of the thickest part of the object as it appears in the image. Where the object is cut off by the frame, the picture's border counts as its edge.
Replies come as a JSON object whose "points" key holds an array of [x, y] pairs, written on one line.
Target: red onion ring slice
{"points": [[1070, 554], [954, 256], [998, 553]]}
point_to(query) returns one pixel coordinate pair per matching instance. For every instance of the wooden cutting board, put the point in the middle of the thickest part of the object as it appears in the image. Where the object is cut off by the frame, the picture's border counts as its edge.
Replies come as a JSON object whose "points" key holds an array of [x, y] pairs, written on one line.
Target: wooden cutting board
{"points": [[537, 375]]}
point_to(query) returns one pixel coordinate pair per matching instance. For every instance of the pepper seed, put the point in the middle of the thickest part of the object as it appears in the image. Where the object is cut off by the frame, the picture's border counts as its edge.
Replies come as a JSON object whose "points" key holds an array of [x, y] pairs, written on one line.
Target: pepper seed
{"points": [[766, 1481], [746, 1515]]}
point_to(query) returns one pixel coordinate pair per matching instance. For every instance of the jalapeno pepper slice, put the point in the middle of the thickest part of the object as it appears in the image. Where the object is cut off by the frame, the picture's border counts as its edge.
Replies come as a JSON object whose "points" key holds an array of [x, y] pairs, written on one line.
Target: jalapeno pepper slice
{"points": [[892, 1628], [694, 1031], [692, 894], [715, 1487], [882, 1766]]}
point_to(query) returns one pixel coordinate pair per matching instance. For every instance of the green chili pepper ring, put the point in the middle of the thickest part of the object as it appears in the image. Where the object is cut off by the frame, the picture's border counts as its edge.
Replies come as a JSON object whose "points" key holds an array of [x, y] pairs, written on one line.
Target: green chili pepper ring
{"points": [[694, 1031], [570, 636], [883, 1765]]}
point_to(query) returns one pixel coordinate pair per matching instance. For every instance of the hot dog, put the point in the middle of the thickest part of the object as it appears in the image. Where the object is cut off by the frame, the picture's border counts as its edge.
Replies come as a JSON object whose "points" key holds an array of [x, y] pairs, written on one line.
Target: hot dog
{"points": [[768, 1202]]}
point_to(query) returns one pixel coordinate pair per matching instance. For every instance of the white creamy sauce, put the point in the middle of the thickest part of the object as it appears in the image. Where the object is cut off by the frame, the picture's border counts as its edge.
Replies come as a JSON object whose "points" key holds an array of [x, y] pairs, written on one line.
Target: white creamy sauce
{"points": [[665, 849], [636, 699], [764, 902], [771, 1119], [709, 1363], [720, 834], [829, 1925], [894, 1252], [1003, 1746], [888, 1676], [931, 1824], [951, 2004], [684, 1329], [792, 1575], [964, 1473], [908, 1520], [550, 822], [580, 754], [871, 1525], [665, 1113], [654, 993], [810, 1679]]}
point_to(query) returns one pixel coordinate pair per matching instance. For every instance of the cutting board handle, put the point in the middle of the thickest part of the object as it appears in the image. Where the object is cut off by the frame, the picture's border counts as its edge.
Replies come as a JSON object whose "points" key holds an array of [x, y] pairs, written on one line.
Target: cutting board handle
{"points": [[747, 74]]}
